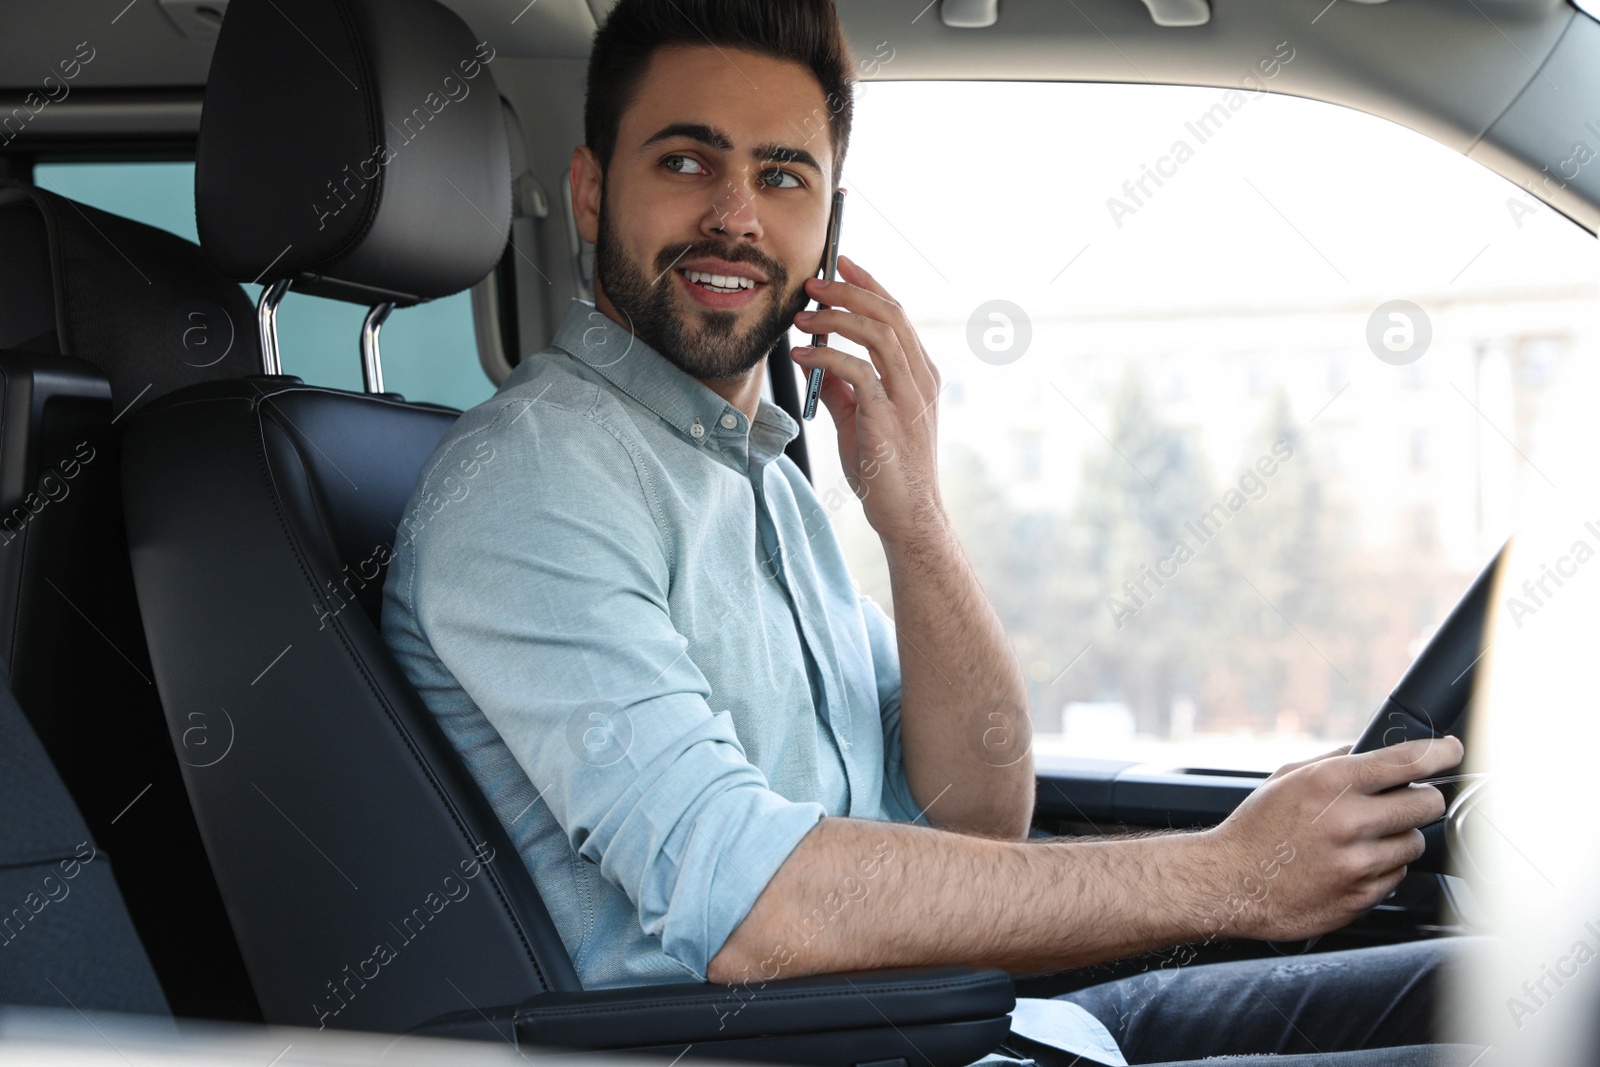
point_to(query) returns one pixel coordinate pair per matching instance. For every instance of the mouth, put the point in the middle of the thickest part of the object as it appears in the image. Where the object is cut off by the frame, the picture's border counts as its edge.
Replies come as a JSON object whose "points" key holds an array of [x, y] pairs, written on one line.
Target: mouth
{"points": [[720, 291]]}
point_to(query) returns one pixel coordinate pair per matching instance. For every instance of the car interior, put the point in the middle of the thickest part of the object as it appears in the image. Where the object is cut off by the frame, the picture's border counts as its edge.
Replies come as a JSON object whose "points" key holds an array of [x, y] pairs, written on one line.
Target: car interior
{"points": [[254, 790]]}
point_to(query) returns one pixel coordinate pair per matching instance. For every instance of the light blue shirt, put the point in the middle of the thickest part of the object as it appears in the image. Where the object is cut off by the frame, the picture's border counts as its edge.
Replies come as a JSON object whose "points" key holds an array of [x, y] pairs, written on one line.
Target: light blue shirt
{"points": [[631, 616]]}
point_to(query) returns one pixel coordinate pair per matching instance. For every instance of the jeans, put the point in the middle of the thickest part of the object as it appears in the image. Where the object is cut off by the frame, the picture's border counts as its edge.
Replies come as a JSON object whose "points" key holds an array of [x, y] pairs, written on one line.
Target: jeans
{"points": [[1366, 1007]]}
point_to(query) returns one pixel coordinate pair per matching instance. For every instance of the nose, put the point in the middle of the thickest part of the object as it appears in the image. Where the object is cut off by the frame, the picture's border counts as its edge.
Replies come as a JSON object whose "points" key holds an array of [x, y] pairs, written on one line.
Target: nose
{"points": [[732, 212]]}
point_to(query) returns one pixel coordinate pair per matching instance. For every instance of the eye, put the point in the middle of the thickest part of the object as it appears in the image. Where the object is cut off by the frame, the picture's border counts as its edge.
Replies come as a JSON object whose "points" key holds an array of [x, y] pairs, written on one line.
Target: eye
{"points": [[773, 176], [684, 162]]}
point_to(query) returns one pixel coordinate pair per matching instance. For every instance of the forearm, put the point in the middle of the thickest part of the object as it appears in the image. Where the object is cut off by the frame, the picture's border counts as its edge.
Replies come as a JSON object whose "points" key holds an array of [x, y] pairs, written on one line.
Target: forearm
{"points": [[860, 894], [964, 719]]}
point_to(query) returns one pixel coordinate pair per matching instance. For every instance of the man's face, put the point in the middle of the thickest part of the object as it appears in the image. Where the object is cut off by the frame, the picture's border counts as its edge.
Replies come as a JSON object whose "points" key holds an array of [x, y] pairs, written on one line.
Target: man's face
{"points": [[721, 171]]}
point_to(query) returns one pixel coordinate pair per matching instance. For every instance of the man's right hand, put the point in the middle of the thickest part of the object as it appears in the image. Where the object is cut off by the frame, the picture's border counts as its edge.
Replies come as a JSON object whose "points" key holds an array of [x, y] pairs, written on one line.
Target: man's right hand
{"points": [[1319, 842]]}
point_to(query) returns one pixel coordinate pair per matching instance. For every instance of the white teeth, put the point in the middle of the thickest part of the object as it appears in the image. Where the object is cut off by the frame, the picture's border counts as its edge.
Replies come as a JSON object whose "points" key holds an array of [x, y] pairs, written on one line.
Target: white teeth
{"points": [[725, 282]]}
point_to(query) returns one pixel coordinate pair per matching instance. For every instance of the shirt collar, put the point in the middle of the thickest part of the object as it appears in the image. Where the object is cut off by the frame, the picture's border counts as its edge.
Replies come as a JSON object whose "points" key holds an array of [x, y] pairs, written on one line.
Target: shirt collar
{"points": [[680, 400]]}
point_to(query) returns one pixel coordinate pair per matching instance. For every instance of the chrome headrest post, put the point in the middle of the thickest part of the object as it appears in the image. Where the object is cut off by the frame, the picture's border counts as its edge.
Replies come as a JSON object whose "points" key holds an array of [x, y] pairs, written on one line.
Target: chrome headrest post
{"points": [[371, 365], [267, 323]]}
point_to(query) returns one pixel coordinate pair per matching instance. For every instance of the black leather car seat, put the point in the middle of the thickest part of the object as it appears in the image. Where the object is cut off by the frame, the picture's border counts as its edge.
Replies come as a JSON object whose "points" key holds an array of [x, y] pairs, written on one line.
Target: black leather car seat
{"points": [[369, 881], [100, 315]]}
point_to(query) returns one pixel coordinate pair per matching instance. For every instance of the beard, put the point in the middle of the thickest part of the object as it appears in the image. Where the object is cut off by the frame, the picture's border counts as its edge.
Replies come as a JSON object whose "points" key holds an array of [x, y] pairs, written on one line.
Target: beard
{"points": [[703, 342]]}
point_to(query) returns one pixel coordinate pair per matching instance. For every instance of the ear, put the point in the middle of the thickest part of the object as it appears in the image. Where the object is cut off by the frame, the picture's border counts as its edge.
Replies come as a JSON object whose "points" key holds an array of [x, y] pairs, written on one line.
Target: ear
{"points": [[588, 186]]}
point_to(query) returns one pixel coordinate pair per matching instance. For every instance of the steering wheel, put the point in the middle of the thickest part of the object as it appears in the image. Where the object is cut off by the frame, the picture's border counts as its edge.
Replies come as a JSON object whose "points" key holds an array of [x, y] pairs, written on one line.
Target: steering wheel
{"points": [[1432, 699]]}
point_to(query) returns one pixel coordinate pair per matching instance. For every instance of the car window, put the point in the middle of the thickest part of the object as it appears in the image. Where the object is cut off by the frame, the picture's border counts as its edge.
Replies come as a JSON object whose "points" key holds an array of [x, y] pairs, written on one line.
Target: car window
{"points": [[1240, 391], [430, 351]]}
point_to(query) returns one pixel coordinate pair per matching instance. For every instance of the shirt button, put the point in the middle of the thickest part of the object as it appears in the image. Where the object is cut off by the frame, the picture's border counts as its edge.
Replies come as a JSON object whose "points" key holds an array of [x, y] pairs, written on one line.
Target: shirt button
{"points": [[729, 420], [697, 431]]}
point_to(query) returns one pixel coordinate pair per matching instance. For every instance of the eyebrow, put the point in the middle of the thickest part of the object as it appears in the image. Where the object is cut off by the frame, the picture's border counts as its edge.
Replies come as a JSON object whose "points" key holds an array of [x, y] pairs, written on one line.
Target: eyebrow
{"points": [[711, 137]]}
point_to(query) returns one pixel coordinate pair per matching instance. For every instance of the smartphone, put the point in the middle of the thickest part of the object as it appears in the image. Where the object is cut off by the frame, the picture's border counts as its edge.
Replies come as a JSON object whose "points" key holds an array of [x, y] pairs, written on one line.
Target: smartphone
{"points": [[830, 263]]}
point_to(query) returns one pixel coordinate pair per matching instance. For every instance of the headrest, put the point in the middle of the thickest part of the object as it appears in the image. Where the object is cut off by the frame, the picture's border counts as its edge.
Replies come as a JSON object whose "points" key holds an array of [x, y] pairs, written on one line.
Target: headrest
{"points": [[354, 146], [139, 303]]}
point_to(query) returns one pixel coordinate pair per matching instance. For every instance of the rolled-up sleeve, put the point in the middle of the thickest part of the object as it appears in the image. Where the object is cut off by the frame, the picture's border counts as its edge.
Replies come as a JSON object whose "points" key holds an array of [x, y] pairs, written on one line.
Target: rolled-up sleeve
{"points": [[898, 803], [543, 590]]}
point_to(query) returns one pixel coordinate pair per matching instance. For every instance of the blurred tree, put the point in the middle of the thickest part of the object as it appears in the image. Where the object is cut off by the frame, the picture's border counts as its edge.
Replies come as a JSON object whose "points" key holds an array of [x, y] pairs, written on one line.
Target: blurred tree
{"points": [[1136, 567], [1288, 589]]}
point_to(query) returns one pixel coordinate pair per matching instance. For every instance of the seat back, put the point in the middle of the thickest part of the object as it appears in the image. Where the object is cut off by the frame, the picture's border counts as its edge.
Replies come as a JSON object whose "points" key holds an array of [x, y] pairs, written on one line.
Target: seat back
{"points": [[99, 315], [370, 884]]}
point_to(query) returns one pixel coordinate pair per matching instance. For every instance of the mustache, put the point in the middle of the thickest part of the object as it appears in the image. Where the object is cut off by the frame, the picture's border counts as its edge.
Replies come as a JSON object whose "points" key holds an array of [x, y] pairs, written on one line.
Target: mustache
{"points": [[776, 274]]}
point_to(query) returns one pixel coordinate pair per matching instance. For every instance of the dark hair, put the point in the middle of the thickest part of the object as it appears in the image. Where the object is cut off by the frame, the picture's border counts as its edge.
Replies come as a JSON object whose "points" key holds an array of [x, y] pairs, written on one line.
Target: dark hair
{"points": [[801, 31]]}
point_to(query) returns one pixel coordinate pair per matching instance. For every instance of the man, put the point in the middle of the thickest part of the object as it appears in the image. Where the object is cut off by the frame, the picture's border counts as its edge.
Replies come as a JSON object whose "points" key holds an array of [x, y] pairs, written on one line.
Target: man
{"points": [[630, 614]]}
